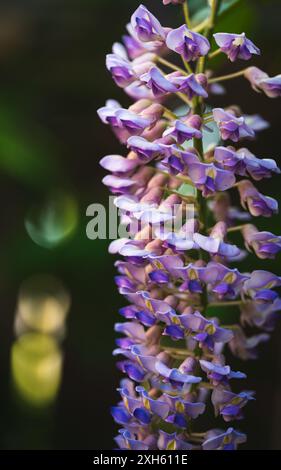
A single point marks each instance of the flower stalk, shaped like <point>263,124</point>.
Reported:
<point>177,262</point>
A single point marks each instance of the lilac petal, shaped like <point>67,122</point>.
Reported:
<point>118,164</point>
<point>189,44</point>
<point>158,83</point>
<point>146,25</point>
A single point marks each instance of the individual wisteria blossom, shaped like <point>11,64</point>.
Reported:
<point>146,26</point>
<point>188,44</point>
<point>174,82</point>
<point>260,81</point>
<point>230,126</point>
<point>219,440</point>
<point>257,203</point>
<point>264,244</point>
<point>243,162</point>
<point>182,131</point>
<point>236,46</point>
<point>174,196</point>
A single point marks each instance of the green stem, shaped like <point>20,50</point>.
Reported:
<point>210,119</point>
<point>187,66</point>
<point>231,327</point>
<point>227,77</point>
<point>215,5</point>
<point>186,14</point>
<point>214,54</point>
<point>236,229</point>
<point>201,26</point>
<point>169,114</point>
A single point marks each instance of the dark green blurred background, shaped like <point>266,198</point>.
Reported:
<point>52,80</point>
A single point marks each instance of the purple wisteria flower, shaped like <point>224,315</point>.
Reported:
<point>260,81</point>
<point>208,332</point>
<point>244,347</point>
<point>176,273</point>
<point>236,46</point>
<point>264,244</point>
<point>219,440</point>
<point>181,132</point>
<point>243,162</point>
<point>230,126</point>
<point>191,85</point>
<point>158,83</point>
<point>257,203</point>
<point>146,26</point>
<point>220,374</point>
<point>228,404</point>
<point>120,69</point>
<point>215,244</point>
<point>188,44</point>
<point>209,178</point>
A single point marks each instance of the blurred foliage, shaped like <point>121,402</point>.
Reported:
<point>36,368</point>
<point>201,9</point>
<point>28,155</point>
<point>51,223</point>
<point>43,304</point>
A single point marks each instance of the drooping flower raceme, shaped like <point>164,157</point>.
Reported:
<point>178,271</point>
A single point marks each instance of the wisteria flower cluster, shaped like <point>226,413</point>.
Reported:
<point>172,344</point>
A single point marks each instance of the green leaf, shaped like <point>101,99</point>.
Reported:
<point>27,154</point>
<point>51,223</point>
<point>226,5</point>
<point>200,16</point>
<point>203,12</point>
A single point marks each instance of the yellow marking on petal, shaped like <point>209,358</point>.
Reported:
<point>180,407</point>
<point>146,404</point>
<point>193,275</point>
<point>269,285</point>
<point>128,274</point>
<point>126,403</point>
<point>139,361</point>
<point>148,305</point>
<point>172,445</point>
<point>236,401</point>
<point>211,172</point>
<point>230,278</point>
<point>188,34</point>
<point>176,320</point>
<point>227,439</point>
<point>210,329</point>
<point>238,42</point>
<point>158,264</point>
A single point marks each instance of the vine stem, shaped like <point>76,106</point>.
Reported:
<point>236,229</point>
<point>201,26</point>
<point>186,14</point>
<point>214,54</point>
<point>169,114</point>
<point>187,66</point>
<point>215,5</point>
<point>227,77</point>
